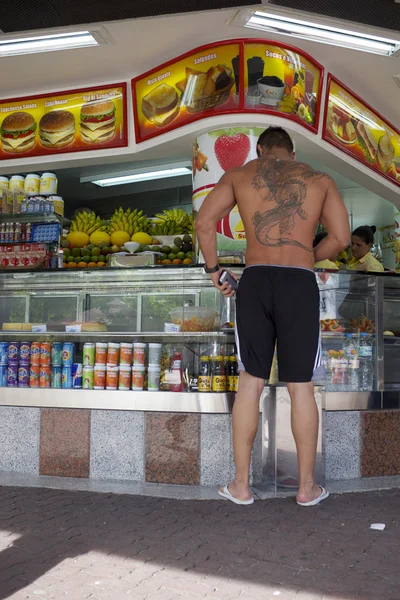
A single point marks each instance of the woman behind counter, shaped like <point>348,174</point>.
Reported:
<point>362,240</point>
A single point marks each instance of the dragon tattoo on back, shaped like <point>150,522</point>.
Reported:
<point>284,183</point>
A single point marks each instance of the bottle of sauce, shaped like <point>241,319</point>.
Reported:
<point>204,379</point>
<point>218,382</point>
<point>176,373</point>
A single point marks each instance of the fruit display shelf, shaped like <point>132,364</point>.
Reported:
<point>32,218</point>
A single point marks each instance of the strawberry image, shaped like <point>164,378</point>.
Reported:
<point>232,150</point>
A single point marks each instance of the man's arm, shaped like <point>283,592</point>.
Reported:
<point>215,207</point>
<point>335,219</point>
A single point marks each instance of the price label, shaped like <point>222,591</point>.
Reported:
<point>40,328</point>
<point>171,328</point>
<point>73,328</point>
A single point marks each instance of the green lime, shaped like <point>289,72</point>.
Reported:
<point>96,252</point>
<point>164,257</point>
<point>190,254</point>
<point>175,249</point>
<point>76,259</point>
<point>171,256</point>
<point>86,258</point>
<point>75,252</point>
<point>146,249</point>
<point>94,259</point>
<point>166,250</point>
<point>181,255</point>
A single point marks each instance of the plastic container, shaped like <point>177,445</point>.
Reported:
<point>194,318</point>
<point>101,353</point>
<point>139,353</point>
<point>125,357</point>
<point>4,182</point>
<point>32,183</point>
<point>154,354</point>
<point>137,377</point>
<point>99,377</point>
<point>125,377</point>
<point>113,354</point>
<point>154,372</point>
<point>58,203</point>
<point>112,377</point>
<point>16,182</point>
<point>48,183</point>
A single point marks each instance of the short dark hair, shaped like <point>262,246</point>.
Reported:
<point>365,233</point>
<point>275,137</point>
<point>319,237</point>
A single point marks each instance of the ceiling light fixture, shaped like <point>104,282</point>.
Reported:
<point>12,46</point>
<point>136,176</point>
<point>316,32</point>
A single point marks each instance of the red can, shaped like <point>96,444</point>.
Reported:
<point>45,353</point>
<point>45,376</point>
<point>35,353</point>
<point>34,376</point>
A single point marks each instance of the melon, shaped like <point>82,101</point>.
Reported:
<point>98,237</point>
<point>78,239</point>
<point>118,238</point>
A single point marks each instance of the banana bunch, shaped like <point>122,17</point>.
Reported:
<point>87,223</point>
<point>287,105</point>
<point>131,221</point>
<point>172,222</point>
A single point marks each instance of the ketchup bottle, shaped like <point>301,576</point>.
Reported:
<point>176,373</point>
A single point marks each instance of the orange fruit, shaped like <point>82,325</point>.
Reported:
<point>71,265</point>
<point>187,261</point>
<point>177,261</point>
<point>82,265</point>
<point>92,264</point>
<point>101,264</point>
<point>166,262</point>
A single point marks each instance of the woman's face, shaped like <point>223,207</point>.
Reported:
<point>359,248</point>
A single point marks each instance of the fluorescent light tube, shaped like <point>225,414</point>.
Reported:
<point>47,43</point>
<point>317,32</point>
<point>147,176</point>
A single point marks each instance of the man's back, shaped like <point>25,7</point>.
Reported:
<point>280,203</point>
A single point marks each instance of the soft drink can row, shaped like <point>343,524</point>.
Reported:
<point>25,353</point>
<point>57,354</point>
<point>56,376</point>
<point>45,376</point>
<point>68,352</point>
<point>12,375</point>
<point>66,377</point>
<point>3,353</point>
<point>34,376</point>
<point>23,376</point>
<point>13,352</point>
<point>45,353</point>
<point>35,353</point>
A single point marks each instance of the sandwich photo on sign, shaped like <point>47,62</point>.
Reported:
<point>161,105</point>
<point>97,121</point>
<point>18,132</point>
<point>57,129</point>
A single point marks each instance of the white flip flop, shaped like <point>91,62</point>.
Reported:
<point>225,493</point>
<point>323,496</point>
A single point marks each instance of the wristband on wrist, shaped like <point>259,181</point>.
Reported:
<point>209,270</point>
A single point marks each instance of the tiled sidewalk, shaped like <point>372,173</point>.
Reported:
<point>84,545</point>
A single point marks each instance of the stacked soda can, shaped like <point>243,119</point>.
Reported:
<point>14,364</point>
<point>56,364</point>
<point>71,376</point>
<point>45,365</point>
<point>3,363</point>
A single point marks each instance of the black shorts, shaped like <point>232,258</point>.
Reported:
<point>278,304</point>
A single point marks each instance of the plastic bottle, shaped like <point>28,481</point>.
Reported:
<point>204,379</point>
<point>351,353</point>
<point>176,373</point>
<point>365,358</point>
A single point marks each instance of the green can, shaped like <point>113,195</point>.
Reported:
<point>89,352</point>
<point>88,378</point>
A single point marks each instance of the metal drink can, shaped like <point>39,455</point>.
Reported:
<point>13,352</point>
<point>68,352</point>
<point>77,372</point>
<point>45,353</point>
<point>35,353</point>
<point>23,376</point>
<point>88,378</point>
<point>4,353</point>
<point>56,354</point>
<point>56,376</point>
<point>113,354</point>
<point>12,375</point>
<point>66,377</point>
<point>34,376</point>
<point>25,353</point>
<point>101,353</point>
<point>88,354</point>
<point>99,377</point>
<point>3,375</point>
<point>45,376</point>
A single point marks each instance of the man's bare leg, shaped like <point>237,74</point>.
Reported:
<point>304,421</point>
<point>245,424</point>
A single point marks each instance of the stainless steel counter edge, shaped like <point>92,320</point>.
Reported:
<point>118,400</point>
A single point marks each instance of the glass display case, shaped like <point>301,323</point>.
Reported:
<point>167,334</point>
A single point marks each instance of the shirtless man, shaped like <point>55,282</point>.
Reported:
<point>280,202</point>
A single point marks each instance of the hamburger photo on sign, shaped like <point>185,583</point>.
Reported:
<point>97,121</point>
<point>57,129</point>
<point>18,132</point>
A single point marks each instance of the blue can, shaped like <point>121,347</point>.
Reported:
<point>13,352</point>
<point>25,353</point>
<point>56,376</point>
<point>77,372</point>
<point>66,378</point>
<point>23,376</point>
<point>4,353</point>
<point>68,352</point>
<point>12,375</point>
<point>57,354</point>
<point>3,375</point>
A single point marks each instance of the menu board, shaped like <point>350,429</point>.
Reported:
<point>181,91</point>
<point>88,119</point>
<point>357,129</point>
<point>282,80</point>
